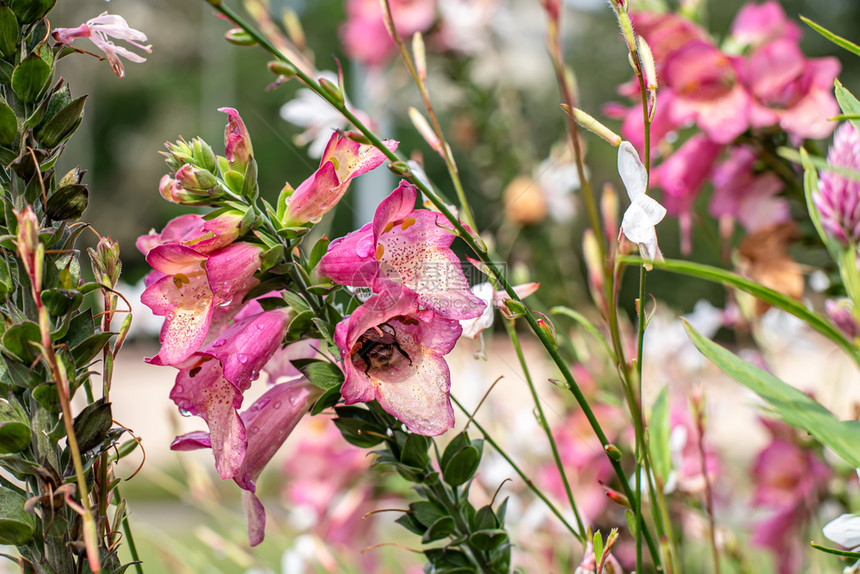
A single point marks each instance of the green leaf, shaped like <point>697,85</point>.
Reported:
<point>414,451</point>
<point>838,40</point>
<point>810,188</point>
<point>426,512</point>
<point>847,102</point>
<point>14,428</point>
<point>658,435</point>
<point>323,374</point>
<point>6,71</point>
<point>30,77</point>
<point>836,551</point>
<point>86,350</point>
<point>408,522</point>
<point>17,526</point>
<point>597,546</point>
<point>62,124</point>
<point>46,395</point>
<point>319,249</point>
<point>28,11</point>
<point>328,399</point>
<point>356,424</point>
<point>8,31</point>
<point>462,465</point>
<point>587,325</point>
<point>8,122</point>
<point>68,203</point>
<point>488,539</point>
<point>787,304</point>
<point>19,340</point>
<point>92,425</point>
<point>296,301</point>
<point>485,519</point>
<point>440,529</point>
<point>457,443</point>
<point>795,407</point>
<point>61,301</point>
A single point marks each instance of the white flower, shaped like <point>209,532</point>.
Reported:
<point>644,212</point>
<point>318,117</point>
<point>844,530</point>
<point>484,291</point>
<point>99,30</point>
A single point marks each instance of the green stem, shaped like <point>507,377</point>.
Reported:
<point>512,333</point>
<point>519,471</point>
<point>132,547</point>
<point>470,240</point>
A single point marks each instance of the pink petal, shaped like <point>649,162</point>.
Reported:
<point>187,308</point>
<point>173,258</point>
<point>256,516</point>
<point>191,441</point>
<point>396,207</point>
<point>316,195</point>
<point>229,269</point>
<point>349,260</point>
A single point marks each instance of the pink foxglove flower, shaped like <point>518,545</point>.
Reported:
<point>792,91</point>
<point>212,381</point>
<point>644,212</point>
<point>741,194</point>
<point>758,24</point>
<point>187,286</point>
<point>404,247</point>
<point>192,230</point>
<point>267,423</point>
<point>392,353</point>
<point>342,160</point>
<point>365,36</point>
<point>99,30</point>
<point>838,197</point>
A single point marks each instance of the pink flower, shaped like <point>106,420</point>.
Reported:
<point>186,287</point>
<point>757,24</point>
<point>789,480</point>
<point>666,33</point>
<point>706,86</point>
<point>342,160</point>
<point>404,247</point>
<point>99,30</point>
<point>838,197</point>
<point>237,141</point>
<point>741,194</point>
<point>686,474</point>
<point>364,35</point>
<point>212,381</point>
<point>192,230</point>
<point>589,563</point>
<point>267,423</point>
<point>841,313</point>
<point>667,119</point>
<point>681,178</point>
<point>790,90</point>
<point>392,353</point>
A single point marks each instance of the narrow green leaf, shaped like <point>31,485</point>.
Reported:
<point>848,103</point>
<point>795,407</point>
<point>836,551</point>
<point>787,304</point>
<point>587,325</point>
<point>658,435</point>
<point>8,123</point>
<point>8,31</point>
<point>838,40</point>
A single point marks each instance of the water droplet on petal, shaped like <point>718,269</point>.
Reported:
<point>260,326</point>
<point>242,358</point>
<point>255,429</point>
<point>185,413</point>
<point>276,405</point>
<point>254,374</point>
<point>219,343</point>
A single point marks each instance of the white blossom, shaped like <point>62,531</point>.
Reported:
<point>644,212</point>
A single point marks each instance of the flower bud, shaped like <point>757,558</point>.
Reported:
<point>592,125</point>
<point>646,59</point>
<point>841,313</point>
<point>196,179</point>
<point>548,328</point>
<point>175,193</point>
<point>613,451</point>
<point>618,498</point>
<point>203,155</point>
<point>237,141</point>
<point>239,37</point>
<point>105,261</point>
<point>29,248</point>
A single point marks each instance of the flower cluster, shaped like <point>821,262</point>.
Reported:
<point>392,345</point>
<point>756,81</point>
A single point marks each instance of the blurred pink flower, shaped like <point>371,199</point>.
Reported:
<point>758,24</point>
<point>838,196</point>
<point>342,160</point>
<point>789,480</point>
<point>187,286</point>
<point>192,230</point>
<point>706,86</point>
<point>790,90</point>
<point>404,249</point>
<point>589,563</point>
<point>99,30</point>
<point>364,35</point>
<point>686,455</point>
<point>681,177</point>
<point>392,353</point>
<point>841,313</point>
<point>743,195</point>
<point>212,381</point>
<point>666,33</point>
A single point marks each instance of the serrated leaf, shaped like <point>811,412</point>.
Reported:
<point>30,77</point>
<point>795,407</point>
